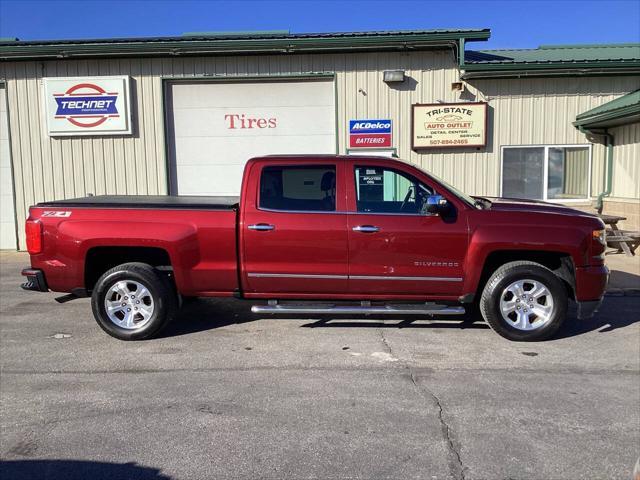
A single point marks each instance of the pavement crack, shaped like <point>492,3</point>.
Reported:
<point>455,461</point>
<point>385,342</point>
<point>456,465</point>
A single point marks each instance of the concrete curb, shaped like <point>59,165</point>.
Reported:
<point>623,292</point>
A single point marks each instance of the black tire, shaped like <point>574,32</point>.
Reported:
<point>162,293</point>
<point>505,276</point>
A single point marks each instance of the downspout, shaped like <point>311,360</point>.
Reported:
<point>461,48</point>
<point>609,164</point>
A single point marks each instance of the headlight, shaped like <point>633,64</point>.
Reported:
<point>600,236</point>
<point>598,244</point>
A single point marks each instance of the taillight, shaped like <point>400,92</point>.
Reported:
<point>34,237</point>
<point>598,244</point>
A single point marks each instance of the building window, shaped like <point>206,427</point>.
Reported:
<point>550,172</point>
<point>299,188</point>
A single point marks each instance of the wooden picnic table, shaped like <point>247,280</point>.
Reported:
<point>623,240</point>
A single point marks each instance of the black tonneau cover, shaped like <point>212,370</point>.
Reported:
<point>147,201</point>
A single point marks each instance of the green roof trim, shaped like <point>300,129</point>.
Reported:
<point>622,110</point>
<point>241,43</point>
<point>585,58</point>
<point>247,33</point>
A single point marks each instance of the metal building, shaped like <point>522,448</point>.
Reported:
<point>562,123</point>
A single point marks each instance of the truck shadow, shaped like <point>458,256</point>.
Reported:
<point>208,314</point>
<point>614,313</point>
<point>76,470</point>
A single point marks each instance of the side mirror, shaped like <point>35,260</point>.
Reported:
<point>436,204</point>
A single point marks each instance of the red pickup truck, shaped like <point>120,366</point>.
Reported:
<point>315,234</point>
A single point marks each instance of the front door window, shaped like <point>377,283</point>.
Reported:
<point>383,190</point>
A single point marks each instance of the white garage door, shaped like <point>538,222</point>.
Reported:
<point>7,209</point>
<point>214,128</point>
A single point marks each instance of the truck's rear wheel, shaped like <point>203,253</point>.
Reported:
<point>133,301</point>
<point>524,301</point>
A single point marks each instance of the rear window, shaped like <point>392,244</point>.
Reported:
<point>309,188</point>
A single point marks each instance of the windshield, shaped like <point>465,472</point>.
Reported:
<point>461,195</point>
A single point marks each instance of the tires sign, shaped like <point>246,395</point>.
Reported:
<point>80,106</point>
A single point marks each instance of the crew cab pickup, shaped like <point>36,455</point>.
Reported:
<point>322,234</point>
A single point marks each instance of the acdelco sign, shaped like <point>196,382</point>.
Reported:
<point>87,106</point>
<point>369,133</point>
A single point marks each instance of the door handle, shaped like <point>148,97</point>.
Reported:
<point>366,229</point>
<point>261,227</point>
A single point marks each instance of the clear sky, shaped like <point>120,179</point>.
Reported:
<point>513,23</point>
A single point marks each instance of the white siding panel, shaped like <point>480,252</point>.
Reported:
<point>8,238</point>
<point>214,128</point>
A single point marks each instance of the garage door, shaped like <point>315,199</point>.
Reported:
<point>215,127</point>
<point>7,209</point>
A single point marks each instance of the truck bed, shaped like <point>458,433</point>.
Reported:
<point>147,201</point>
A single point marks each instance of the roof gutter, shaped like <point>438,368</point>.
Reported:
<point>190,46</point>
<point>549,72</point>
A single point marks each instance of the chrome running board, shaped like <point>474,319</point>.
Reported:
<point>422,309</point>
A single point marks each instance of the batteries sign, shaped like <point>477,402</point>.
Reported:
<point>369,133</point>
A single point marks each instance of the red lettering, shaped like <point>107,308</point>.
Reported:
<point>231,118</point>
<point>235,121</point>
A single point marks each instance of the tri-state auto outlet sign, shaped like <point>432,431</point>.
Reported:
<point>78,106</point>
<point>449,125</point>
<point>369,133</point>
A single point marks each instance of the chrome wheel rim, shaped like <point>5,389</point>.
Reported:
<point>129,304</point>
<point>526,304</point>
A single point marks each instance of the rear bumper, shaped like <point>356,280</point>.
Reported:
<point>35,280</point>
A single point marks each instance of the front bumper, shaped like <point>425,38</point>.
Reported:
<point>35,280</point>
<point>591,283</point>
<point>588,309</point>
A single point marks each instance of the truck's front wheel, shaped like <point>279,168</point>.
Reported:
<point>524,301</point>
<point>133,301</point>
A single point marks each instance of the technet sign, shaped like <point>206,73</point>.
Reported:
<point>369,133</point>
<point>87,106</point>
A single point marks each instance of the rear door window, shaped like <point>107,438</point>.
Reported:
<point>305,188</point>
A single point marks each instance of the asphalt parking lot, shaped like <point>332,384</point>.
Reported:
<point>225,394</point>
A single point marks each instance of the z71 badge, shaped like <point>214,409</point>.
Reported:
<point>56,213</point>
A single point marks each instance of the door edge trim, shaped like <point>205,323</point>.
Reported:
<point>353,277</point>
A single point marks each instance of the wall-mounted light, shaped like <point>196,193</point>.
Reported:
<point>393,76</point>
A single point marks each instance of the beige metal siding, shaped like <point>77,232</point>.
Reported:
<point>522,112</point>
<point>626,161</point>
<point>49,168</point>
<point>541,111</point>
